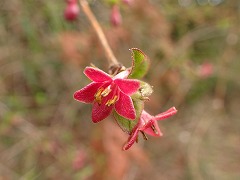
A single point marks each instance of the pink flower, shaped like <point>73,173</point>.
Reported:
<point>128,2</point>
<point>205,70</point>
<point>116,18</point>
<point>72,10</point>
<point>79,160</point>
<point>108,93</point>
<point>148,124</point>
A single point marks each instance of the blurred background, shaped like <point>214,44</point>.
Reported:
<point>193,46</point>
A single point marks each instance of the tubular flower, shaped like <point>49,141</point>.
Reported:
<point>148,124</point>
<point>108,93</point>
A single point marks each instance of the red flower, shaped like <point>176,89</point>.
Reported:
<point>108,93</point>
<point>72,10</point>
<point>148,124</point>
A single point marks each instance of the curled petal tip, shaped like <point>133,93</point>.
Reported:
<point>127,146</point>
<point>124,148</point>
<point>174,110</point>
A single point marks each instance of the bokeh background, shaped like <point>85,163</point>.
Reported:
<point>193,46</point>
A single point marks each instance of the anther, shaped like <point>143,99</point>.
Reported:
<point>98,96</point>
<point>106,91</point>
<point>154,129</point>
<point>144,135</point>
<point>111,101</point>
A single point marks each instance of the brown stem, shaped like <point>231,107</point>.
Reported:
<point>108,51</point>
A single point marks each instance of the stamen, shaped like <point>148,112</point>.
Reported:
<point>137,139</point>
<point>144,135</point>
<point>106,91</point>
<point>154,129</point>
<point>112,101</point>
<point>98,96</point>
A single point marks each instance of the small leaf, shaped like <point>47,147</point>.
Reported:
<point>140,63</point>
<point>126,124</point>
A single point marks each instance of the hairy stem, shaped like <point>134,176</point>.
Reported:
<point>108,51</point>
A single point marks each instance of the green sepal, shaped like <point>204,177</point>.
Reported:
<point>144,91</point>
<point>140,64</point>
<point>126,124</point>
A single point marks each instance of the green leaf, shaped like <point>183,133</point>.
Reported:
<point>140,63</point>
<point>126,124</point>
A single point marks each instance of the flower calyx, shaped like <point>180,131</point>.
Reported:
<point>147,124</point>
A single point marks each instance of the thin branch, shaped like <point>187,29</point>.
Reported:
<point>108,51</point>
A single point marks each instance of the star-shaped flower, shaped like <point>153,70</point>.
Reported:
<point>108,93</point>
<point>148,124</point>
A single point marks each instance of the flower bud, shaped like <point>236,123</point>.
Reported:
<point>116,18</point>
<point>72,10</point>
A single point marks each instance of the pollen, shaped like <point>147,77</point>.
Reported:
<point>106,91</point>
<point>111,101</point>
<point>98,96</point>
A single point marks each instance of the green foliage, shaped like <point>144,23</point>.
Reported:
<point>200,88</point>
<point>112,2</point>
<point>140,64</point>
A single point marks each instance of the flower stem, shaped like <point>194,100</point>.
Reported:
<point>96,26</point>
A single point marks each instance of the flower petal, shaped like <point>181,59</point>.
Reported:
<point>128,86</point>
<point>123,74</point>
<point>124,106</point>
<point>96,74</point>
<point>131,140</point>
<point>145,118</point>
<point>100,112</point>
<point>170,112</point>
<point>87,93</point>
<point>157,132</point>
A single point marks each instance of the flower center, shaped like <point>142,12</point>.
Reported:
<point>112,101</point>
<point>106,91</point>
<point>98,96</point>
<point>103,92</point>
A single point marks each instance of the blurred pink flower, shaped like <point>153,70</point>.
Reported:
<point>79,160</point>
<point>128,2</point>
<point>205,70</point>
<point>116,18</point>
<point>72,10</point>
<point>108,93</point>
<point>148,124</point>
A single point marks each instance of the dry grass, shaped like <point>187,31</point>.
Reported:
<point>45,134</point>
